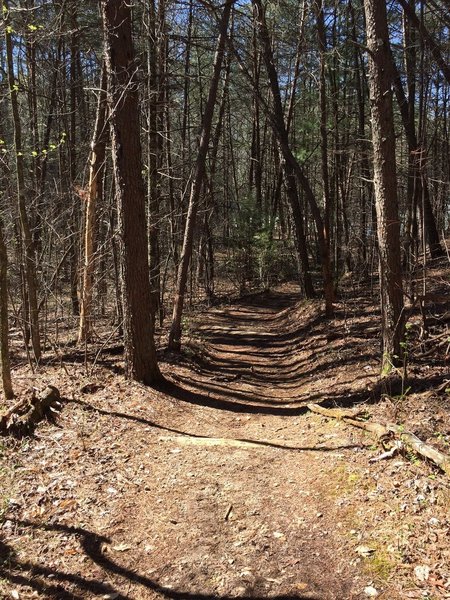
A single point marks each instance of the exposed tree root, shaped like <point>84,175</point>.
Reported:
<point>22,418</point>
<point>387,431</point>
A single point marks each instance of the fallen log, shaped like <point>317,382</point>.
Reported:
<point>384,431</point>
<point>22,418</point>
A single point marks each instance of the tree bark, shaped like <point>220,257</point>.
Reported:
<point>4,328</point>
<point>140,354</point>
<point>29,250</point>
<point>327,197</point>
<point>385,182</point>
<point>74,225</point>
<point>366,187</point>
<point>92,197</point>
<point>156,46</point>
<point>416,164</point>
<point>290,181</point>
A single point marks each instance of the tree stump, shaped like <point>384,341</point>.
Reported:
<point>22,418</point>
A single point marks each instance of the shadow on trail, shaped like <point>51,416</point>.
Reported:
<point>263,443</point>
<point>263,358</point>
<point>202,399</point>
<point>326,399</point>
<point>205,399</point>
<point>42,579</point>
<point>271,373</point>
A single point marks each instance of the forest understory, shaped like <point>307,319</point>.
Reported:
<point>222,484</point>
<point>155,158</point>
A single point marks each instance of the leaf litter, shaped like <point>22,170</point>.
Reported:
<point>137,493</point>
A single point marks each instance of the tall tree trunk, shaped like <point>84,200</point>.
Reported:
<point>140,353</point>
<point>210,204</point>
<point>75,214</point>
<point>327,198</point>
<point>291,184</point>
<point>256,152</point>
<point>30,45</point>
<point>385,182</point>
<point>155,65</point>
<point>93,196</point>
<point>198,179</point>
<point>416,159</point>
<point>299,228</point>
<point>4,329</point>
<point>366,187</point>
<point>29,251</point>
<point>185,130</point>
<point>173,217</point>
<point>50,117</point>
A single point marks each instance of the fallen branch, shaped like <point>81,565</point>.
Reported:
<point>390,453</point>
<point>22,418</point>
<point>389,430</point>
<point>437,346</point>
<point>350,418</point>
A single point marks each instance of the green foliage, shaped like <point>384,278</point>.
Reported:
<point>381,564</point>
<point>259,259</point>
<point>265,255</point>
<point>301,155</point>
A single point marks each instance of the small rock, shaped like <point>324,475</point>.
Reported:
<point>370,591</point>
<point>122,547</point>
<point>422,572</point>
<point>278,534</point>
<point>364,551</point>
<point>433,522</point>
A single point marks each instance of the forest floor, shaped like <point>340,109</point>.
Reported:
<point>223,485</point>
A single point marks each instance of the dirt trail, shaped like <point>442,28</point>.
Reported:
<point>218,487</point>
<point>240,510</point>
